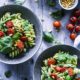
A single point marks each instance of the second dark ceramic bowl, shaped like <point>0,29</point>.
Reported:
<point>49,53</point>
<point>26,14</point>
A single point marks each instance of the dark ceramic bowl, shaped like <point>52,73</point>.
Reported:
<point>49,53</point>
<point>26,14</point>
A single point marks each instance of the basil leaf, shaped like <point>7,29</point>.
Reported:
<point>58,14</point>
<point>47,36</point>
<point>51,3</point>
<point>6,44</point>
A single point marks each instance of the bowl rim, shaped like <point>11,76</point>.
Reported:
<point>71,8</point>
<point>46,50</point>
<point>24,60</point>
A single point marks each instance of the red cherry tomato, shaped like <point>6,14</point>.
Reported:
<point>70,27</point>
<point>73,19</point>
<point>79,19</point>
<point>9,24</point>
<point>57,24</point>
<point>73,36</point>
<point>60,69</point>
<point>10,31</point>
<point>70,71</point>
<point>78,79</point>
<point>1,33</point>
<point>63,69</point>
<point>23,38</point>
<point>20,44</point>
<point>53,75</point>
<point>51,61</point>
<point>77,13</point>
<point>77,29</point>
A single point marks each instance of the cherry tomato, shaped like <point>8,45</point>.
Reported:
<point>70,71</point>
<point>23,38</point>
<point>53,75</point>
<point>63,69</point>
<point>73,36</point>
<point>51,61</point>
<point>20,44</point>
<point>57,24</point>
<point>10,31</point>
<point>73,19</point>
<point>79,19</point>
<point>1,33</point>
<point>70,27</point>
<point>60,69</point>
<point>77,13</point>
<point>78,79</point>
<point>9,24</point>
<point>77,29</point>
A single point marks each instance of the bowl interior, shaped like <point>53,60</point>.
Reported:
<point>49,53</point>
<point>26,14</point>
<point>73,6</point>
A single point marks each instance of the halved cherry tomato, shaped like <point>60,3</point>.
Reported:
<point>10,31</point>
<point>9,24</point>
<point>53,75</point>
<point>60,69</point>
<point>51,61</point>
<point>1,33</point>
<point>23,38</point>
<point>20,44</point>
<point>70,71</point>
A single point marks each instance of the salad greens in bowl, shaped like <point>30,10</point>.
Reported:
<point>20,34</point>
<point>59,62</point>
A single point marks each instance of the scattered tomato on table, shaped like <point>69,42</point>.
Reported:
<point>73,19</point>
<point>70,27</point>
<point>73,36</point>
<point>57,24</point>
<point>74,24</point>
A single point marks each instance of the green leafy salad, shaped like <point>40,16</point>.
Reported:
<point>17,35</point>
<point>62,66</point>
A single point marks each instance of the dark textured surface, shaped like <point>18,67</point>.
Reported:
<point>49,53</point>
